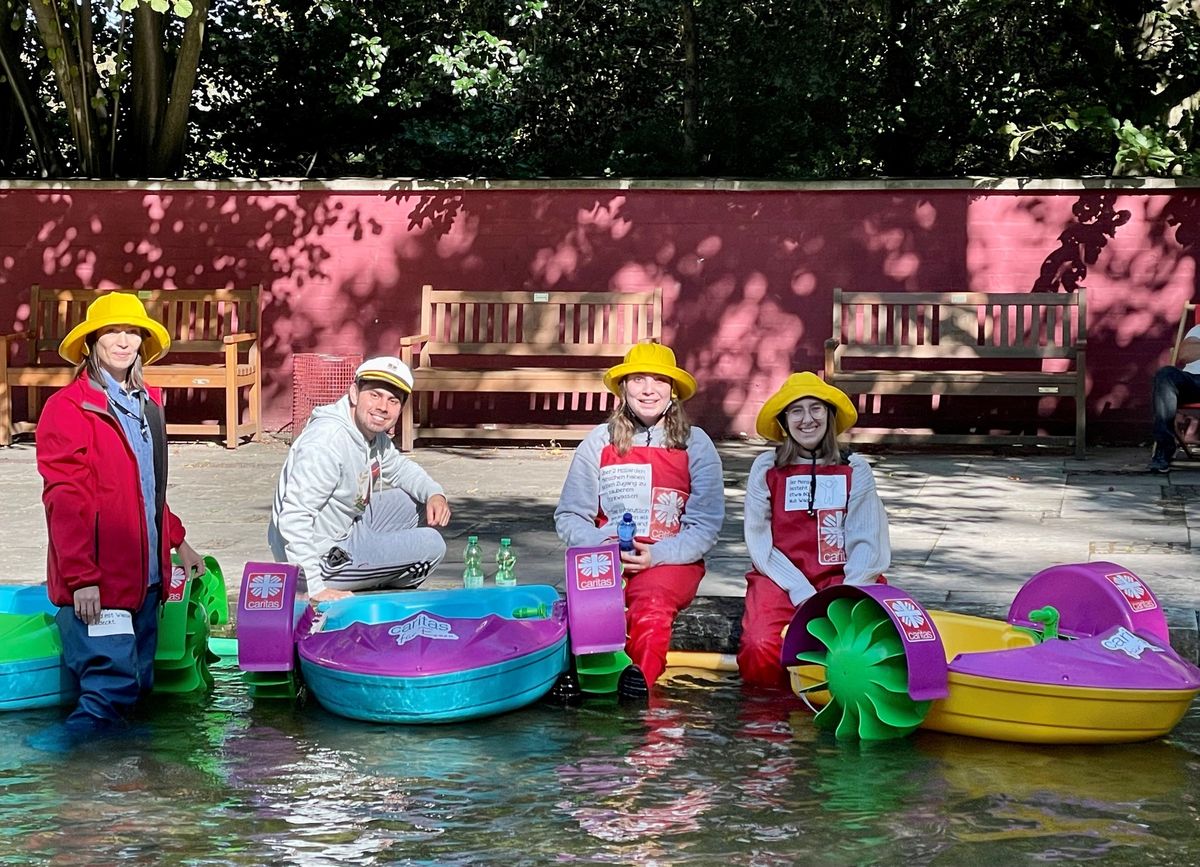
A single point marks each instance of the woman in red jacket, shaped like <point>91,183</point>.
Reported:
<point>101,451</point>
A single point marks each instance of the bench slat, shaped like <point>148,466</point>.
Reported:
<point>197,321</point>
<point>952,333</point>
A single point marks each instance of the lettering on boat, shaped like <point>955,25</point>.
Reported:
<point>914,622</point>
<point>595,571</point>
<point>422,626</point>
<point>1126,642</point>
<point>264,590</point>
<point>1136,594</point>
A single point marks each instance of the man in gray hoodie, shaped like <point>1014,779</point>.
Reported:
<point>345,508</point>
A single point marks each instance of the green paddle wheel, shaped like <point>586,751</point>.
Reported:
<point>866,673</point>
<point>183,656</point>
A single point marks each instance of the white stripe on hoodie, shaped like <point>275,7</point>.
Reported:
<point>322,482</point>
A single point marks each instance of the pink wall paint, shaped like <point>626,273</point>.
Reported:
<point>747,274</point>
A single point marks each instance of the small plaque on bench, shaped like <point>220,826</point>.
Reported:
<point>541,297</point>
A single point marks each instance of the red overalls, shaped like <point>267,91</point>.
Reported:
<point>815,543</point>
<point>654,484</point>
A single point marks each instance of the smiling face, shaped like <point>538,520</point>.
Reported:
<point>116,348</point>
<point>374,407</point>
<point>647,395</point>
<point>807,420</point>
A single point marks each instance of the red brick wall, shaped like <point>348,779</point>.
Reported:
<point>747,269</point>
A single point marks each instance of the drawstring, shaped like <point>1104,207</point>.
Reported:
<point>812,484</point>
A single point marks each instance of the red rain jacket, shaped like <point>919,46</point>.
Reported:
<point>95,513</point>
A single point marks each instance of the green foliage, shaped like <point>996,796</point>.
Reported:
<point>752,88</point>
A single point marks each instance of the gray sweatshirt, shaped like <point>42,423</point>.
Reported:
<point>868,549</point>
<point>700,522</point>
<point>325,483</point>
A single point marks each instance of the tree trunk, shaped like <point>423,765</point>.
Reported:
<point>64,54</point>
<point>691,86</point>
<point>21,111</point>
<point>169,149</point>
<point>149,84</point>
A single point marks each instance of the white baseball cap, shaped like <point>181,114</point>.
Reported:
<point>386,368</point>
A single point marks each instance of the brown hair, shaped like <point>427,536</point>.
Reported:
<point>829,453</point>
<point>676,427</point>
<point>133,376</point>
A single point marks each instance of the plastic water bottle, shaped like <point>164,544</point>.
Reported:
<point>626,530</point>
<point>506,562</point>
<point>472,564</point>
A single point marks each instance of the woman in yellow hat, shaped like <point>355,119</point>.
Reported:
<point>650,462</point>
<point>813,518</point>
<point>101,451</point>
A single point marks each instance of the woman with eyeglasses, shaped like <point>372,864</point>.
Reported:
<point>813,518</point>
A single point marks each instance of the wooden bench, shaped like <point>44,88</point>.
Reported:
<point>214,345</point>
<point>553,344</point>
<point>961,344</point>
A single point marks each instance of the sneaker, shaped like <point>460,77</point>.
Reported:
<point>1159,464</point>
<point>632,686</point>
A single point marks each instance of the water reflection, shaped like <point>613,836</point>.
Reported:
<point>706,776</point>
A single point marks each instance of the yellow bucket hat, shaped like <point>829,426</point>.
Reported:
<point>651,358</point>
<point>116,308</point>
<point>800,385</point>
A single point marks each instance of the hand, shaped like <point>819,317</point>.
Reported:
<point>193,564</point>
<point>638,559</point>
<point>87,604</point>
<point>328,595</point>
<point>437,511</point>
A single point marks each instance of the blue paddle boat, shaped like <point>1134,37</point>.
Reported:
<point>407,656</point>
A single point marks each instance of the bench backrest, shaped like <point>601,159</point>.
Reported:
<point>601,325</point>
<point>967,325</point>
<point>196,319</point>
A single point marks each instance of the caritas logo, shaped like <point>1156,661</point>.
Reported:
<point>264,591</point>
<point>595,571</point>
<point>913,621</point>
<point>177,585</point>
<point>1136,595</point>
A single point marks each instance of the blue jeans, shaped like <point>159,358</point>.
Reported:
<point>113,671</point>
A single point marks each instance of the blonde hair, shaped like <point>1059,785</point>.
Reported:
<point>676,426</point>
<point>133,376</point>
<point>829,453</point>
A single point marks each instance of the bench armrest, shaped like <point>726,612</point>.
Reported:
<point>238,338</point>
<point>414,339</point>
<point>16,336</point>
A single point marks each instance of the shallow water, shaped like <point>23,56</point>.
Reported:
<point>704,777</point>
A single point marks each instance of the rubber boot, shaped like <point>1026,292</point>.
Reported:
<point>632,686</point>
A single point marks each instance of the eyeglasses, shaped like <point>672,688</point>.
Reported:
<point>816,411</point>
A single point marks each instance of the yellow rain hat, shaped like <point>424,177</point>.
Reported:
<point>800,385</point>
<point>116,308</point>
<point>651,358</point>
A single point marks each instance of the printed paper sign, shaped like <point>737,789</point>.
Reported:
<point>831,492</point>
<point>626,488</point>
<point>595,570</point>
<point>1133,591</point>
<point>831,536</point>
<point>177,585</point>
<point>913,621</point>
<point>264,591</point>
<point>112,622</point>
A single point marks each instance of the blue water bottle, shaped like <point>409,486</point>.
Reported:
<point>626,530</point>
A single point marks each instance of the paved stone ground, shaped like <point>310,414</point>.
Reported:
<point>967,529</point>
